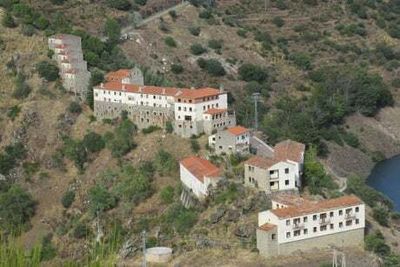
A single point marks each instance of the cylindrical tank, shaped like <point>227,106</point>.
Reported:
<point>158,254</point>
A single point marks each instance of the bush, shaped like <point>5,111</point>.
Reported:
<point>215,44</point>
<point>169,41</point>
<point>301,60</point>
<point>68,198</point>
<point>100,199</point>
<point>169,127</point>
<point>10,157</point>
<point>48,251</point>
<point>74,107</point>
<point>93,142</point>
<point>120,142</point>
<point>81,231</point>
<point>242,33</point>
<point>165,163</point>
<point>396,82</point>
<point>206,14</point>
<point>13,112</point>
<point>194,30</point>
<point>173,14</point>
<point>278,21</point>
<point>75,151</point>
<point>197,49</point>
<point>22,89</point>
<point>167,194</point>
<point>195,145</point>
<point>376,243</point>
<point>17,206</point>
<point>112,30</point>
<point>212,66</point>
<point>150,129</point>
<point>351,139</point>
<point>177,68</point>
<point>8,21</point>
<point>120,4</point>
<point>180,218</point>
<point>249,72</point>
<point>381,215</point>
<point>47,71</point>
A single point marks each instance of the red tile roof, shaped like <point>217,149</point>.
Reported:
<point>260,162</point>
<point>237,130</point>
<point>200,168</point>
<point>267,227</point>
<point>289,199</point>
<point>198,93</point>
<point>289,150</point>
<point>213,111</point>
<point>117,75</point>
<point>317,206</point>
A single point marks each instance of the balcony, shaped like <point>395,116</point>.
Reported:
<point>324,221</point>
<point>274,175</point>
<point>298,226</point>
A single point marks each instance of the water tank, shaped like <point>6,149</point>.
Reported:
<point>158,254</point>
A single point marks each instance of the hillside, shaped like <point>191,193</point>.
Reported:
<point>288,44</point>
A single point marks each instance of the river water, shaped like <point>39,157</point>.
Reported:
<point>385,177</point>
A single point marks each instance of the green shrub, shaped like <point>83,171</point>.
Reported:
<point>396,82</point>
<point>47,70</point>
<point>68,198</point>
<point>112,30</point>
<point>242,33</point>
<point>100,199</point>
<point>177,68</point>
<point>195,145</point>
<point>351,139</point>
<point>212,66</point>
<point>22,89</point>
<point>74,107</point>
<point>249,72</point>
<point>48,251</point>
<point>141,2</point>
<point>381,215</point>
<point>17,206</point>
<point>167,194</point>
<point>75,151</point>
<point>169,41</point>
<point>173,14</point>
<point>93,142</point>
<point>8,21</point>
<point>278,21</point>
<point>28,30</point>
<point>376,243</point>
<point>301,60</point>
<point>215,44</point>
<point>197,49</point>
<point>120,4</point>
<point>165,163</point>
<point>13,112</point>
<point>11,156</point>
<point>206,14</point>
<point>169,127</point>
<point>195,30</point>
<point>180,218</point>
<point>150,129</point>
<point>121,142</point>
<point>81,231</point>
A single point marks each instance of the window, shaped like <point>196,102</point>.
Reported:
<point>348,211</point>
<point>331,214</point>
<point>314,217</point>
<point>287,222</point>
<point>190,109</point>
<point>340,212</point>
<point>357,221</point>
<point>296,221</point>
<point>357,209</point>
<point>286,182</point>
<point>287,234</point>
<point>349,223</point>
<point>331,226</point>
<point>273,236</point>
<point>322,228</point>
<point>315,229</point>
<point>304,219</point>
<point>296,233</point>
<point>305,231</point>
<point>287,170</point>
<point>340,225</point>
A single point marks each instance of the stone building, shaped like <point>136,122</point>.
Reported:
<point>304,225</point>
<point>190,111</point>
<point>231,140</point>
<point>280,172</point>
<point>73,68</point>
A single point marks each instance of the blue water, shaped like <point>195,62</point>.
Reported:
<point>385,177</point>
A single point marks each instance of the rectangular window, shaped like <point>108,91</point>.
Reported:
<point>357,221</point>
<point>287,170</point>
<point>287,234</point>
<point>315,229</point>
<point>314,217</point>
<point>305,231</point>
<point>179,108</point>
<point>286,182</point>
<point>322,228</point>
<point>348,211</point>
<point>296,233</point>
<point>331,214</point>
<point>304,219</point>
<point>273,236</point>
<point>331,226</point>
<point>340,212</point>
<point>340,225</point>
<point>357,209</point>
<point>349,223</point>
<point>287,222</point>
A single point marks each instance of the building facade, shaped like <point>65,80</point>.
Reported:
<point>336,222</point>
<point>73,68</point>
<point>198,175</point>
<point>231,140</point>
<point>188,110</point>
<point>281,172</point>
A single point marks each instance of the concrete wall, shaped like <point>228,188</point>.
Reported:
<point>191,182</point>
<point>268,247</point>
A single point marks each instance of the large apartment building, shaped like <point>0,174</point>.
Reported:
<point>73,68</point>
<point>190,111</point>
<point>300,224</point>
<point>280,172</point>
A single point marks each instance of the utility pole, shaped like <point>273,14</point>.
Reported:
<point>256,98</point>
<point>144,248</point>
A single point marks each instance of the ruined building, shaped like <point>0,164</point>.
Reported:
<point>73,69</point>
<point>189,111</point>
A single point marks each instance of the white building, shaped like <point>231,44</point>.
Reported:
<point>231,140</point>
<point>309,224</point>
<point>190,111</point>
<point>198,175</point>
<point>281,172</point>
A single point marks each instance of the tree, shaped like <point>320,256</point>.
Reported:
<point>197,49</point>
<point>74,107</point>
<point>167,194</point>
<point>119,4</point>
<point>112,30</point>
<point>169,41</point>
<point>68,198</point>
<point>177,68</point>
<point>93,142</point>
<point>22,89</point>
<point>75,151</point>
<point>100,199</point>
<point>47,71</point>
<point>165,163</point>
<point>121,142</point>
<point>212,66</point>
<point>381,215</point>
<point>250,72</point>
<point>278,21</point>
<point>16,207</point>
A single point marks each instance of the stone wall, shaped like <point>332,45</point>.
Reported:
<point>268,247</point>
